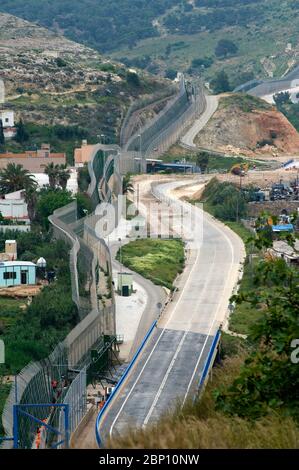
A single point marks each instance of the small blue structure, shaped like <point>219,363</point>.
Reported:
<point>283,228</point>
<point>17,273</point>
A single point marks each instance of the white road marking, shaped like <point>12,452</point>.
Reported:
<point>152,351</point>
<point>180,344</point>
<point>195,310</point>
<point>219,305</point>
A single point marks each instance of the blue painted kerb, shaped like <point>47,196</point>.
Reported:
<point>98,437</point>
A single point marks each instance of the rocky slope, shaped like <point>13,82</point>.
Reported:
<point>51,80</point>
<point>247,125</point>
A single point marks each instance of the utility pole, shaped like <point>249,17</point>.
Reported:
<point>138,199</point>
<point>120,255</point>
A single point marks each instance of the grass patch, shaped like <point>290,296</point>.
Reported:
<point>158,260</point>
<point>10,312</point>
<point>4,392</point>
<point>244,102</point>
<point>245,315</point>
<point>240,230</point>
<point>217,163</point>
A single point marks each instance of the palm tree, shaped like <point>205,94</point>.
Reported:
<point>15,177</point>
<point>31,201</point>
<point>52,171</point>
<point>63,176</point>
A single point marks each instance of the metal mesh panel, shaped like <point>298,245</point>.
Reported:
<point>138,105</point>
<point>76,399</point>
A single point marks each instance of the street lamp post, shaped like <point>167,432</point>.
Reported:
<point>140,153</point>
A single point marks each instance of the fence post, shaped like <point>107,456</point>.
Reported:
<point>66,426</point>
<point>15,427</point>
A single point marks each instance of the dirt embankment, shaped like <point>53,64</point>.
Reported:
<point>248,125</point>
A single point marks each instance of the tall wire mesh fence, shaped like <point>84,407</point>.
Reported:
<point>34,383</point>
<point>139,105</point>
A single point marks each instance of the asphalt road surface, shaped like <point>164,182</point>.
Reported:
<point>170,366</point>
<point>199,124</point>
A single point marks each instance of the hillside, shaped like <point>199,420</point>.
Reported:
<point>104,25</point>
<point>51,80</point>
<point>248,125</point>
<point>167,35</point>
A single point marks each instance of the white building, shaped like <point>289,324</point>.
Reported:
<point>14,207</point>
<point>8,123</point>
<point>8,118</point>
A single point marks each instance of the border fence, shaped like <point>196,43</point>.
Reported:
<point>69,363</point>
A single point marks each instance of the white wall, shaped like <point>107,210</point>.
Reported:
<point>13,208</point>
<point>7,118</point>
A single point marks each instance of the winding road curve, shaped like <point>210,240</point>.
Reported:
<point>199,124</point>
<point>171,364</point>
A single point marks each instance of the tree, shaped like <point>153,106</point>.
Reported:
<point>52,171</point>
<point>14,177</point>
<point>171,74</point>
<point>22,135</point>
<point>221,83</point>
<point>204,62</point>
<point>225,47</point>
<point>49,200</point>
<point>63,176</point>
<point>268,380</point>
<point>83,178</point>
<point>282,98</point>
<point>31,201</point>
<point>202,160</point>
<point>84,204</point>
<point>133,79</point>
<point>2,138</point>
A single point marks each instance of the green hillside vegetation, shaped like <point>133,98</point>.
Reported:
<point>4,391</point>
<point>32,332</point>
<point>245,38</point>
<point>259,30</point>
<point>246,103</point>
<point>158,260</point>
<point>291,111</point>
<point>104,25</point>
<point>81,115</point>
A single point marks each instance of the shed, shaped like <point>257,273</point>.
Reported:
<point>17,273</point>
<point>125,284</point>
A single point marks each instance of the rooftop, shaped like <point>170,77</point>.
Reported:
<point>7,264</point>
<point>31,154</point>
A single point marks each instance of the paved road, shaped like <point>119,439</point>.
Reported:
<point>155,294</point>
<point>172,362</point>
<point>199,124</point>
